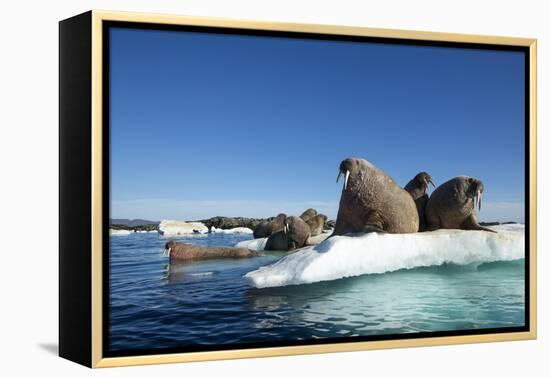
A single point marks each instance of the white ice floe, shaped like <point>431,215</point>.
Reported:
<point>348,256</point>
<point>254,244</point>
<point>313,240</point>
<point>236,230</point>
<point>173,228</point>
<point>120,232</point>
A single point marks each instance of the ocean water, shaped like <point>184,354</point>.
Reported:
<point>157,305</point>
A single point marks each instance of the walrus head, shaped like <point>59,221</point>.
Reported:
<point>168,247</point>
<point>350,167</point>
<point>297,231</point>
<point>308,214</point>
<point>280,217</point>
<point>423,179</point>
<point>475,191</point>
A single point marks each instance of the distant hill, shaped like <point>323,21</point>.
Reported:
<point>133,222</point>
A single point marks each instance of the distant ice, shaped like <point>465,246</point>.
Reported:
<point>348,256</point>
<point>119,232</point>
<point>174,228</point>
<point>236,230</point>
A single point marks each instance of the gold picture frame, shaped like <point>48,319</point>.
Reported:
<point>91,24</point>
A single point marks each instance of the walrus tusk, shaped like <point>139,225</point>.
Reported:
<point>479,195</point>
<point>431,182</point>
<point>285,229</point>
<point>346,179</point>
<point>166,252</point>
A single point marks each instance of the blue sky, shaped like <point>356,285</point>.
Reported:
<point>205,124</point>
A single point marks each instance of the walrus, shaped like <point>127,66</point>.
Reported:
<point>293,236</point>
<point>371,201</point>
<point>453,205</point>
<point>418,189</point>
<point>308,214</point>
<point>266,228</point>
<point>277,241</point>
<point>317,224</point>
<point>188,252</point>
<point>298,232</point>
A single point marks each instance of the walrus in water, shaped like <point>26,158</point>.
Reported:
<point>317,224</point>
<point>308,214</point>
<point>371,201</point>
<point>293,236</point>
<point>188,252</point>
<point>453,205</point>
<point>266,228</point>
<point>418,189</point>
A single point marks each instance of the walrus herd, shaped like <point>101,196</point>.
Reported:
<point>283,233</point>
<point>294,231</point>
<point>371,201</point>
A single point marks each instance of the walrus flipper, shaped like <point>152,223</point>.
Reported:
<point>471,224</point>
<point>481,228</point>
<point>373,228</point>
<point>433,222</point>
<point>432,226</point>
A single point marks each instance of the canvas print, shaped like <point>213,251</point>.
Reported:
<point>269,190</point>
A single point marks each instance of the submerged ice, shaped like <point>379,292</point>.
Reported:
<point>253,244</point>
<point>348,256</point>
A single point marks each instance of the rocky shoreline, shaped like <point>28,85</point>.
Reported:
<point>144,227</point>
<point>224,223</point>
<point>227,223</point>
<point>495,223</point>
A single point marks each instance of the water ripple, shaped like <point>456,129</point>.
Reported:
<point>157,305</point>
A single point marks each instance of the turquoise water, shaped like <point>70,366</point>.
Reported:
<point>157,305</point>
